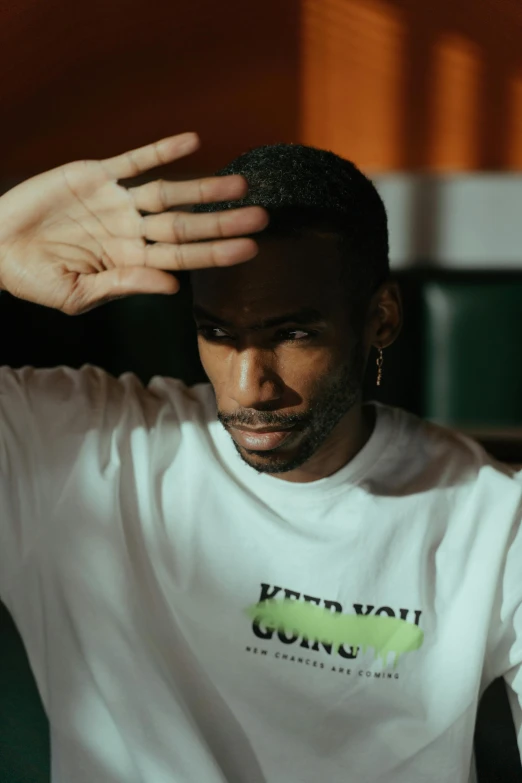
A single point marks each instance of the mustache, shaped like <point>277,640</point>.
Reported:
<point>261,419</point>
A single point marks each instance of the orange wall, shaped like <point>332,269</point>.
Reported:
<point>393,84</point>
<point>414,84</point>
<point>93,77</point>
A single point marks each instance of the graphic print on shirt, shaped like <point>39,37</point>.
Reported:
<point>286,617</point>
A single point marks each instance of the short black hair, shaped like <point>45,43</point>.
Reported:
<point>304,188</point>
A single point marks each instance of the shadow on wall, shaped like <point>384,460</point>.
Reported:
<point>92,79</point>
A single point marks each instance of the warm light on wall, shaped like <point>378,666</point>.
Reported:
<point>351,79</point>
<point>409,85</point>
<point>515,124</point>
<point>454,111</point>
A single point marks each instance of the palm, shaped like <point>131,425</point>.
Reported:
<point>78,222</point>
<point>73,237</point>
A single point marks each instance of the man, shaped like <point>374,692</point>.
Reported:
<point>262,579</point>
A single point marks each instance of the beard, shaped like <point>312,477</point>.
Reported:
<point>333,397</point>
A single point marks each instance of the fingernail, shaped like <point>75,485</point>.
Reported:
<point>190,141</point>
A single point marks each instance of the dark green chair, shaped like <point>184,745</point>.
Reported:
<point>24,730</point>
<point>473,351</point>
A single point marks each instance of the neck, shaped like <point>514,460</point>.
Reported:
<point>343,444</point>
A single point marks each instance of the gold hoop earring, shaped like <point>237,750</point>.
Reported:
<point>379,363</point>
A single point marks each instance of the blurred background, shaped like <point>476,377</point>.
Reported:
<point>424,95</point>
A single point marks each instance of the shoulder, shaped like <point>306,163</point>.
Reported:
<point>431,455</point>
<point>192,403</point>
<point>91,392</point>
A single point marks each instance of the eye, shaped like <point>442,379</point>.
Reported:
<point>294,335</point>
<point>213,333</point>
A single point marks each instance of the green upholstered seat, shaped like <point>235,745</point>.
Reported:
<point>24,730</point>
<point>472,351</point>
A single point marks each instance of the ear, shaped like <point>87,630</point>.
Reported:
<point>384,320</point>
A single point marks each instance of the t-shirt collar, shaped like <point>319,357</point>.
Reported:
<point>264,484</point>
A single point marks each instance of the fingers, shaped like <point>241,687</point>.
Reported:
<point>200,255</point>
<point>161,195</point>
<point>132,163</point>
<point>151,278</point>
<point>180,227</point>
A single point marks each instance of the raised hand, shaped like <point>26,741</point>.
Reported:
<point>73,238</point>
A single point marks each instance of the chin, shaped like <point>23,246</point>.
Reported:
<point>270,461</point>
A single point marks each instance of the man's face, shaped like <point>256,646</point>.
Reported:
<point>275,341</point>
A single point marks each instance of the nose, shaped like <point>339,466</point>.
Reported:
<point>253,380</point>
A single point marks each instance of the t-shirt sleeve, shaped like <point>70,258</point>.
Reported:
<point>504,658</point>
<point>47,417</point>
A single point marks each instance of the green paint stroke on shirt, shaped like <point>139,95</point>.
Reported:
<point>382,633</point>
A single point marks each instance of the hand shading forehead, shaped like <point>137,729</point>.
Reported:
<point>287,276</point>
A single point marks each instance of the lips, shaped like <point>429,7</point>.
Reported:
<point>260,440</point>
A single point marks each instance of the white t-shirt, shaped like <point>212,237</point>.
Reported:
<point>170,597</point>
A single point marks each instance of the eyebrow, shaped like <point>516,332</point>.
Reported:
<point>305,316</point>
